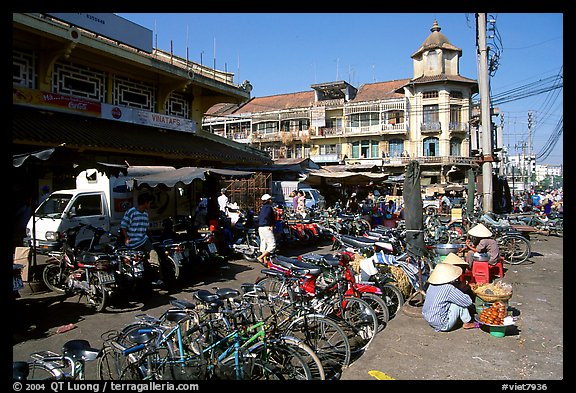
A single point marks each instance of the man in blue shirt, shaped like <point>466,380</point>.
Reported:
<point>266,221</point>
<point>134,227</point>
<point>445,304</point>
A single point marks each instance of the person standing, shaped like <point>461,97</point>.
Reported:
<point>294,195</point>
<point>266,221</point>
<point>134,227</point>
<point>301,203</point>
<point>223,201</point>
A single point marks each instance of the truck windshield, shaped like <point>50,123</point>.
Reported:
<point>53,205</point>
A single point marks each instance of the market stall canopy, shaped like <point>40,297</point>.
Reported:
<point>184,176</point>
<point>344,177</point>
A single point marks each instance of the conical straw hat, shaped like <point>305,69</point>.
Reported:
<point>480,230</point>
<point>453,259</point>
<point>444,273</point>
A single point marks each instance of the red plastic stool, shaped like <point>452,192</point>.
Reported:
<point>481,272</point>
<point>497,270</point>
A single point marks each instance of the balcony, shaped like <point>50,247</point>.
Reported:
<point>325,158</point>
<point>432,126</point>
<point>327,132</point>
<point>458,126</point>
<point>391,128</point>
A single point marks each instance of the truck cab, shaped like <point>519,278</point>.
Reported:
<point>64,209</point>
<point>314,200</point>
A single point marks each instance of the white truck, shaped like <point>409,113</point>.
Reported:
<point>281,191</point>
<point>97,200</point>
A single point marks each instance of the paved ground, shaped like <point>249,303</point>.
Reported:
<point>408,349</point>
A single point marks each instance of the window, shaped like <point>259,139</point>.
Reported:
<point>430,113</point>
<point>328,149</point>
<point>455,113</point>
<point>455,147</point>
<point>430,94</point>
<point>432,60</point>
<point>395,117</point>
<point>268,127</point>
<point>364,119</point>
<point>456,94</point>
<point>365,149</point>
<point>431,147</point>
<point>396,147</point>
<point>88,205</point>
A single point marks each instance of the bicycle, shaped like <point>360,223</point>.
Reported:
<point>48,365</point>
<point>354,314</point>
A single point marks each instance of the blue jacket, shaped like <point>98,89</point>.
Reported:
<point>266,218</point>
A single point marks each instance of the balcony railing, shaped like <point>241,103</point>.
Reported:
<point>457,126</point>
<point>395,128</point>
<point>431,126</point>
<point>329,131</point>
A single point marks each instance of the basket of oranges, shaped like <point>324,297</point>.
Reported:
<point>496,318</point>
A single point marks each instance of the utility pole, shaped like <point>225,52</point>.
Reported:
<point>530,122</point>
<point>485,115</point>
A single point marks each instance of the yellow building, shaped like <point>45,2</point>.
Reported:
<point>377,126</point>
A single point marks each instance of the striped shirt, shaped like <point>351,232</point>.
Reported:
<point>438,300</point>
<point>136,224</point>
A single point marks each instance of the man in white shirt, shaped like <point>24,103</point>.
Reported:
<point>223,201</point>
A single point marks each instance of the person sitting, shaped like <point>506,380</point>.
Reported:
<point>445,305</point>
<point>479,241</point>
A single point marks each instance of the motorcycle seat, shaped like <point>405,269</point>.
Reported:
<point>357,241</point>
<point>291,263</point>
<point>322,259</point>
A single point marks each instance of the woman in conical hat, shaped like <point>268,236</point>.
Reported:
<point>445,305</point>
<point>480,240</point>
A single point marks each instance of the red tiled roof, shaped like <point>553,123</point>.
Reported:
<point>380,90</point>
<point>34,127</point>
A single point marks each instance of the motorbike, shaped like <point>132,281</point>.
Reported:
<point>87,273</point>
<point>242,237</point>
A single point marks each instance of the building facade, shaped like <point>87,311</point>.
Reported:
<point>92,87</point>
<point>386,124</point>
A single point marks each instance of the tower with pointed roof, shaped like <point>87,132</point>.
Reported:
<point>440,99</point>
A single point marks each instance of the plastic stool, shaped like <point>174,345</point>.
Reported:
<point>481,272</point>
<point>497,270</point>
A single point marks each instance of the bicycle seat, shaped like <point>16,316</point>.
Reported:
<point>80,349</point>
<point>212,300</point>
<point>227,293</point>
<point>176,315</point>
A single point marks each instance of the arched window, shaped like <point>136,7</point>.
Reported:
<point>431,146</point>
<point>455,147</point>
<point>396,147</point>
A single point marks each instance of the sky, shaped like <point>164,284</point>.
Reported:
<point>282,53</point>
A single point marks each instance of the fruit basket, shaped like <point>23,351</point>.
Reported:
<point>492,292</point>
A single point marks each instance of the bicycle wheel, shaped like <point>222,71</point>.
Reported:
<point>98,296</point>
<point>156,361</point>
<point>358,320</point>
<point>393,297</point>
<point>326,338</point>
<point>514,249</point>
<point>250,368</point>
<point>113,365</point>
<point>380,308</point>
<point>287,355</point>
